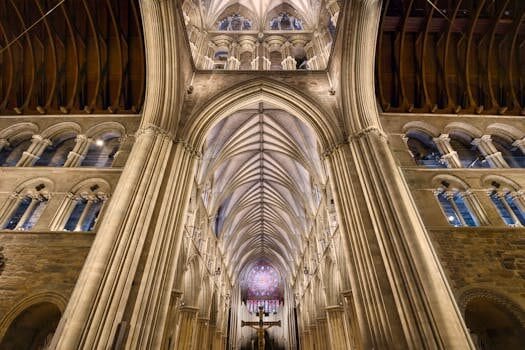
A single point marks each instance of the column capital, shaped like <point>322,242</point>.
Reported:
<point>40,139</point>
<point>333,148</point>
<point>517,143</point>
<point>374,130</point>
<point>334,308</point>
<point>189,309</point>
<point>441,138</point>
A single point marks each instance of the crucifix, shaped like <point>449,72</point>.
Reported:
<point>259,326</point>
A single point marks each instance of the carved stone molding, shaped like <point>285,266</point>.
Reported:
<point>369,130</point>
<point>480,293</point>
<point>149,128</point>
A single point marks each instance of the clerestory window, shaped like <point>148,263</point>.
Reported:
<point>456,207</point>
<point>509,207</point>
<point>85,212</point>
<point>26,211</point>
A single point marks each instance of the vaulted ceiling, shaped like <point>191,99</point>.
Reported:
<point>264,172</point>
<point>212,10</point>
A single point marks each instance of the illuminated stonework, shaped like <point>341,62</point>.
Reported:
<point>261,35</point>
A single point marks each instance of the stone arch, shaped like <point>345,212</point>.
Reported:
<point>332,281</point>
<point>214,308</point>
<point>63,139</point>
<point>204,300</point>
<point>288,8</point>
<point>469,294</point>
<point>319,296</point>
<point>103,184</point>
<point>507,131</point>
<point>257,90</point>
<point>105,128</point>
<point>48,297</point>
<point>487,181</point>
<point>18,130</point>
<point>468,129</point>
<point>55,131</point>
<point>49,184</point>
<point>240,9</point>
<point>494,320</point>
<point>19,138</point>
<point>422,127</point>
<point>454,181</point>
<point>192,282</point>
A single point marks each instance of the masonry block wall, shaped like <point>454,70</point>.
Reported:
<point>489,258</point>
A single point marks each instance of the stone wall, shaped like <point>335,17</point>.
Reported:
<point>40,263</point>
<point>490,257</point>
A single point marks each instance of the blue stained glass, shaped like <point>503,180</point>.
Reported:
<point>502,209</point>
<point>464,211</point>
<point>91,216</point>
<point>75,215</point>
<point>515,208</point>
<point>18,213</point>
<point>448,209</point>
<point>34,215</point>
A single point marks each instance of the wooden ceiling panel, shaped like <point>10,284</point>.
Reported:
<point>461,56</point>
<point>82,56</point>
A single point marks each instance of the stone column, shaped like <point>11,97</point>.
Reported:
<point>487,149</point>
<point>337,328</point>
<point>77,154</point>
<point>120,158</point>
<point>128,276</point>
<point>447,152</point>
<point>201,339</point>
<point>171,329</point>
<point>308,338</point>
<point>35,150</point>
<point>324,336</point>
<point>314,336</point>
<point>187,328</point>
<point>212,329</point>
<point>518,143</point>
<point>401,294</point>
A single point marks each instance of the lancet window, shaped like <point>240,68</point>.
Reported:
<point>11,152</point>
<point>509,204</point>
<point>510,152</point>
<point>102,151</point>
<point>457,207</point>
<point>55,155</point>
<point>84,209</point>
<point>26,208</point>
<point>285,21</point>
<point>235,22</point>
<point>468,153</point>
<point>424,150</point>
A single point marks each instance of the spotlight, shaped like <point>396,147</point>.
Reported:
<point>99,143</point>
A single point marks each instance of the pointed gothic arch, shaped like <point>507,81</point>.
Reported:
<point>298,104</point>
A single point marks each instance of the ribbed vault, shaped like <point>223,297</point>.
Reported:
<point>260,178</point>
<point>212,10</point>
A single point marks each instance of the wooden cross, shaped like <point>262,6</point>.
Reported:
<point>259,326</point>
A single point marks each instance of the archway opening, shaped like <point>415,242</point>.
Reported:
<point>493,326</point>
<point>33,328</point>
<point>260,184</point>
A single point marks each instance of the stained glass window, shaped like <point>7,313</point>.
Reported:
<point>263,288</point>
